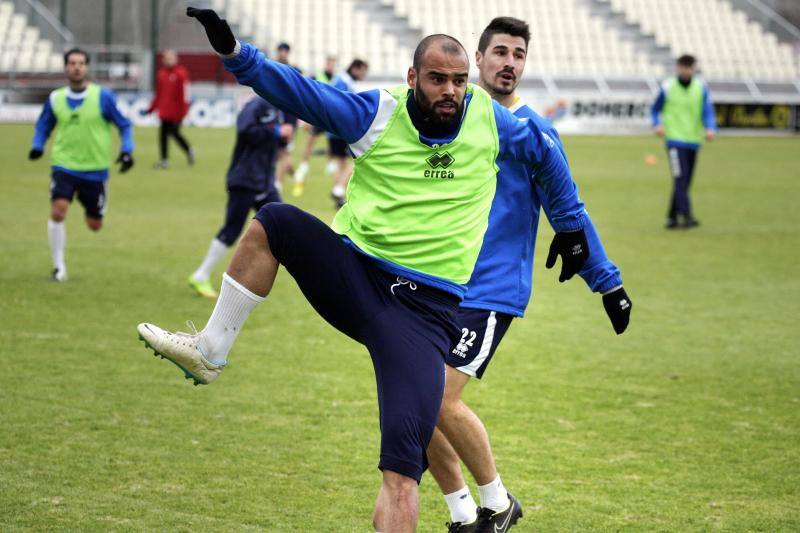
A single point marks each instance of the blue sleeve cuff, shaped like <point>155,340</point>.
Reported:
<point>570,223</point>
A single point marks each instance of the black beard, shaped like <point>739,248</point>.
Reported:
<point>428,122</point>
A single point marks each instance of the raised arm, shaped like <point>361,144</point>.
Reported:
<point>346,115</point>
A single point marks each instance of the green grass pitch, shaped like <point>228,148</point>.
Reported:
<point>690,421</point>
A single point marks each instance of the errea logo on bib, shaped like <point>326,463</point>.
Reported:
<point>440,160</point>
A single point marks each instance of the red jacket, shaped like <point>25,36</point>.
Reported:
<point>171,100</point>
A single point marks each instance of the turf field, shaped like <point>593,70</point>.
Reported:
<point>690,421</point>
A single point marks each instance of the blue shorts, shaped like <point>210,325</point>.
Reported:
<point>91,194</point>
<point>481,333</point>
<point>240,202</point>
<point>407,327</point>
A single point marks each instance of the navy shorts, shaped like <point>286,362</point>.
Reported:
<point>337,147</point>
<point>481,333</point>
<point>91,194</point>
<point>240,202</point>
<point>407,327</point>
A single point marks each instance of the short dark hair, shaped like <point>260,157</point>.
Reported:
<point>284,46</point>
<point>510,25</point>
<point>357,63</point>
<point>450,45</point>
<point>686,60</point>
<point>76,50</point>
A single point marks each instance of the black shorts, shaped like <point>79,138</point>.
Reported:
<point>240,202</point>
<point>91,194</point>
<point>338,147</point>
<point>407,327</point>
<point>481,333</point>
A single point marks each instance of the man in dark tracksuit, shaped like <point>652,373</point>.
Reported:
<point>260,127</point>
<point>684,114</point>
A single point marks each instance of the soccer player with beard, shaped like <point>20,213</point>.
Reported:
<point>392,270</point>
<point>499,290</point>
<point>81,114</point>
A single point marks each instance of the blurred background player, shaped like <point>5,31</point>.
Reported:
<point>250,181</point>
<point>284,165</point>
<point>172,102</point>
<point>499,290</point>
<point>324,76</point>
<point>683,114</point>
<point>337,147</point>
<point>81,113</point>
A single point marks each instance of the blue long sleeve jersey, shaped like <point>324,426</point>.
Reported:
<point>709,116</point>
<point>503,275</point>
<point>258,133</point>
<point>110,112</point>
<point>360,118</point>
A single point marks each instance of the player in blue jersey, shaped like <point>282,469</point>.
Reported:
<point>250,181</point>
<point>499,290</point>
<point>392,270</point>
<point>337,147</point>
<point>81,114</point>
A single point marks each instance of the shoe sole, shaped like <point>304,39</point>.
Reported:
<point>156,353</point>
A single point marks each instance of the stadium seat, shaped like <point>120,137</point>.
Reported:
<point>731,47</point>
<point>22,49</point>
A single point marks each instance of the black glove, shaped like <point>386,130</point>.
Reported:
<point>34,154</point>
<point>573,249</point>
<point>125,162</point>
<point>219,33</point>
<point>618,308</point>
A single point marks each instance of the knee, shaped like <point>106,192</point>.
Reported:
<point>277,220</point>
<point>58,211</point>
<point>94,224</point>
<point>451,404</point>
<point>400,486</point>
<point>228,235</point>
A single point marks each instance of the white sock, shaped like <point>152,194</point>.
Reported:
<point>462,507</point>
<point>57,235</point>
<point>338,190</point>
<point>332,167</point>
<point>234,305</point>
<point>216,251</point>
<point>300,173</point>
<point>494,495</point>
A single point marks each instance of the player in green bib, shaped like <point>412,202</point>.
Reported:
<point>323,76</point>
<point>684,115</point>
<point>392,270</point>
<point>81,114</point>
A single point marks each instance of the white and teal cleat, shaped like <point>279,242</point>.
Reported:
<point>180,349</point>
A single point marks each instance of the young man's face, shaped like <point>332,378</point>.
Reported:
<point>502,63</point>
<point>170,59</point>
<point>685,72</point>
<point>330,64</point>
<point>440,85</point>
<point>360,73</point>
<point>76,68</point>
<point>282,55</point>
